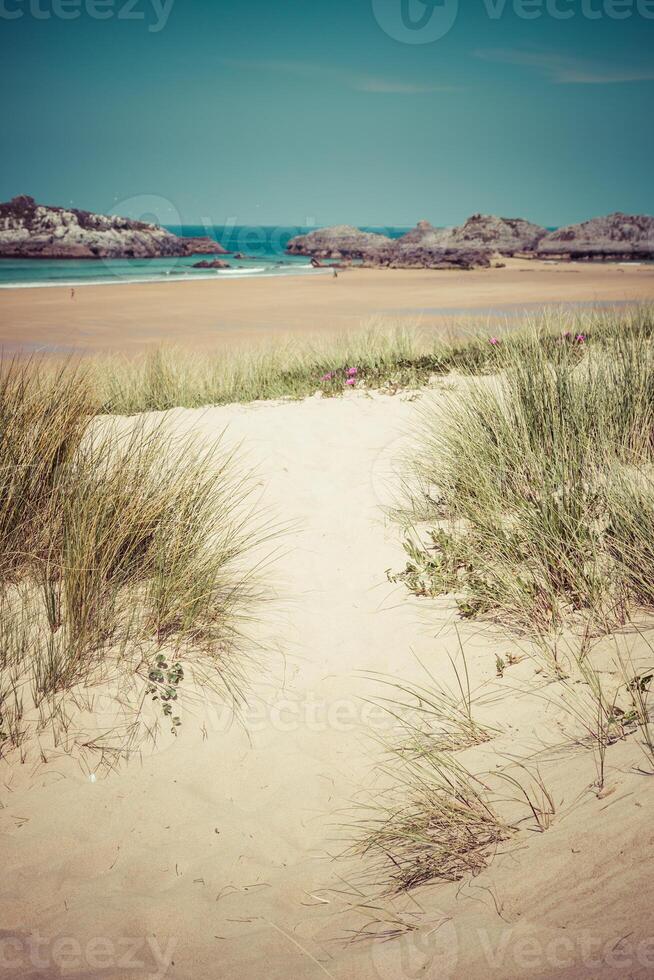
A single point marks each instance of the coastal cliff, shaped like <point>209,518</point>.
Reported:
<point>31,230</point>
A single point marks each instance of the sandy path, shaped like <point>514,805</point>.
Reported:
<point>209,313</point>
<point>215,851</point>
<point>220,844</point>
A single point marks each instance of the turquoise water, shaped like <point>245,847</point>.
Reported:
<point>263,246</point>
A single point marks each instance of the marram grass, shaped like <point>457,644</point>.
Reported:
<point>379,357</point>
<point>122,548</point>
<point>538,483</point>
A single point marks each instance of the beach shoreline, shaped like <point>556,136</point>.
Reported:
<point>207,313</point>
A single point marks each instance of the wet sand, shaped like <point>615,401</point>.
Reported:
<point>132,317</point>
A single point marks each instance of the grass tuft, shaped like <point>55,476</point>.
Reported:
<point>121,548</point>
<point>536,482</point>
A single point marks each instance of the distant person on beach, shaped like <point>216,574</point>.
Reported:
<point>72,294</point>
<point>335,273</point>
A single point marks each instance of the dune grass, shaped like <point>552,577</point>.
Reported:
<point>530,500</point>
<point>168,377</point>
<point>434,819</point>
<point>377,357</point>
<point>437,824</point>
<point>538,481</point>
<point>121,548</point>
<point>43,416</point>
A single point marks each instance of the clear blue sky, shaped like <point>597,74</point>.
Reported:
<point>283,111</point>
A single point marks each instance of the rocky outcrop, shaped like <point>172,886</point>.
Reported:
<point>200,246</point>
<point>480,233</point>
<point>214,264</point>
<point>338,242</point>
<point>425,235</point>
<point>416,256</point>
<point>424,248</point>
<point>617,237</point>
<point>504,235</point>
<point>31,230</point>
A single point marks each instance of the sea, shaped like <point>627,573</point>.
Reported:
<point>263,247</point>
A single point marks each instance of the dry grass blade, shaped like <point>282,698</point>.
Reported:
<point>436,825</point>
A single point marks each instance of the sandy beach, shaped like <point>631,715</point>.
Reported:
<point>327,490</point>
<point>132,317</point>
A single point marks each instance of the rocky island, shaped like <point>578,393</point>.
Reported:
<point>481,238</point>
<point>616,237</point>
<point>422,248</point>
<point>34,231</point>
<point>211,264</point>
<point>472,245</point>
<point>508,236</point>
<point>338,242</point>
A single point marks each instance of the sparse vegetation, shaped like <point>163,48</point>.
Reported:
<point>531,504</point>
<point>437,824</point>
<point>436,821</point>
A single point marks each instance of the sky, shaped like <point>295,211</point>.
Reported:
<point>295,112</point>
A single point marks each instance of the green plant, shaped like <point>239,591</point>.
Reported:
<point>433,567</point>
<point>163,681</point>
<point>596,707</point>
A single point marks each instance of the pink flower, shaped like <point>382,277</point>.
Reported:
<point>352,371</point>
<point>494,341</point>
<point>351,381</point>
<point>327,377</point>
<point>580,338</point>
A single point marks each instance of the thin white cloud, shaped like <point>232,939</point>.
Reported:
<point>352,80</point>
<point>565,69</point>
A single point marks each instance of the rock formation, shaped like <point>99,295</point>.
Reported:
<point>425,248</point>
<point>504,235</point>
<point>213,264</point>
<point>614,237</point>
<point>338,242</point>
<point>31,230</point>
<point>436,257</point>
<point>425,234</point>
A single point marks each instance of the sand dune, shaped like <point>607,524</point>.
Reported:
<point>215,854</point>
